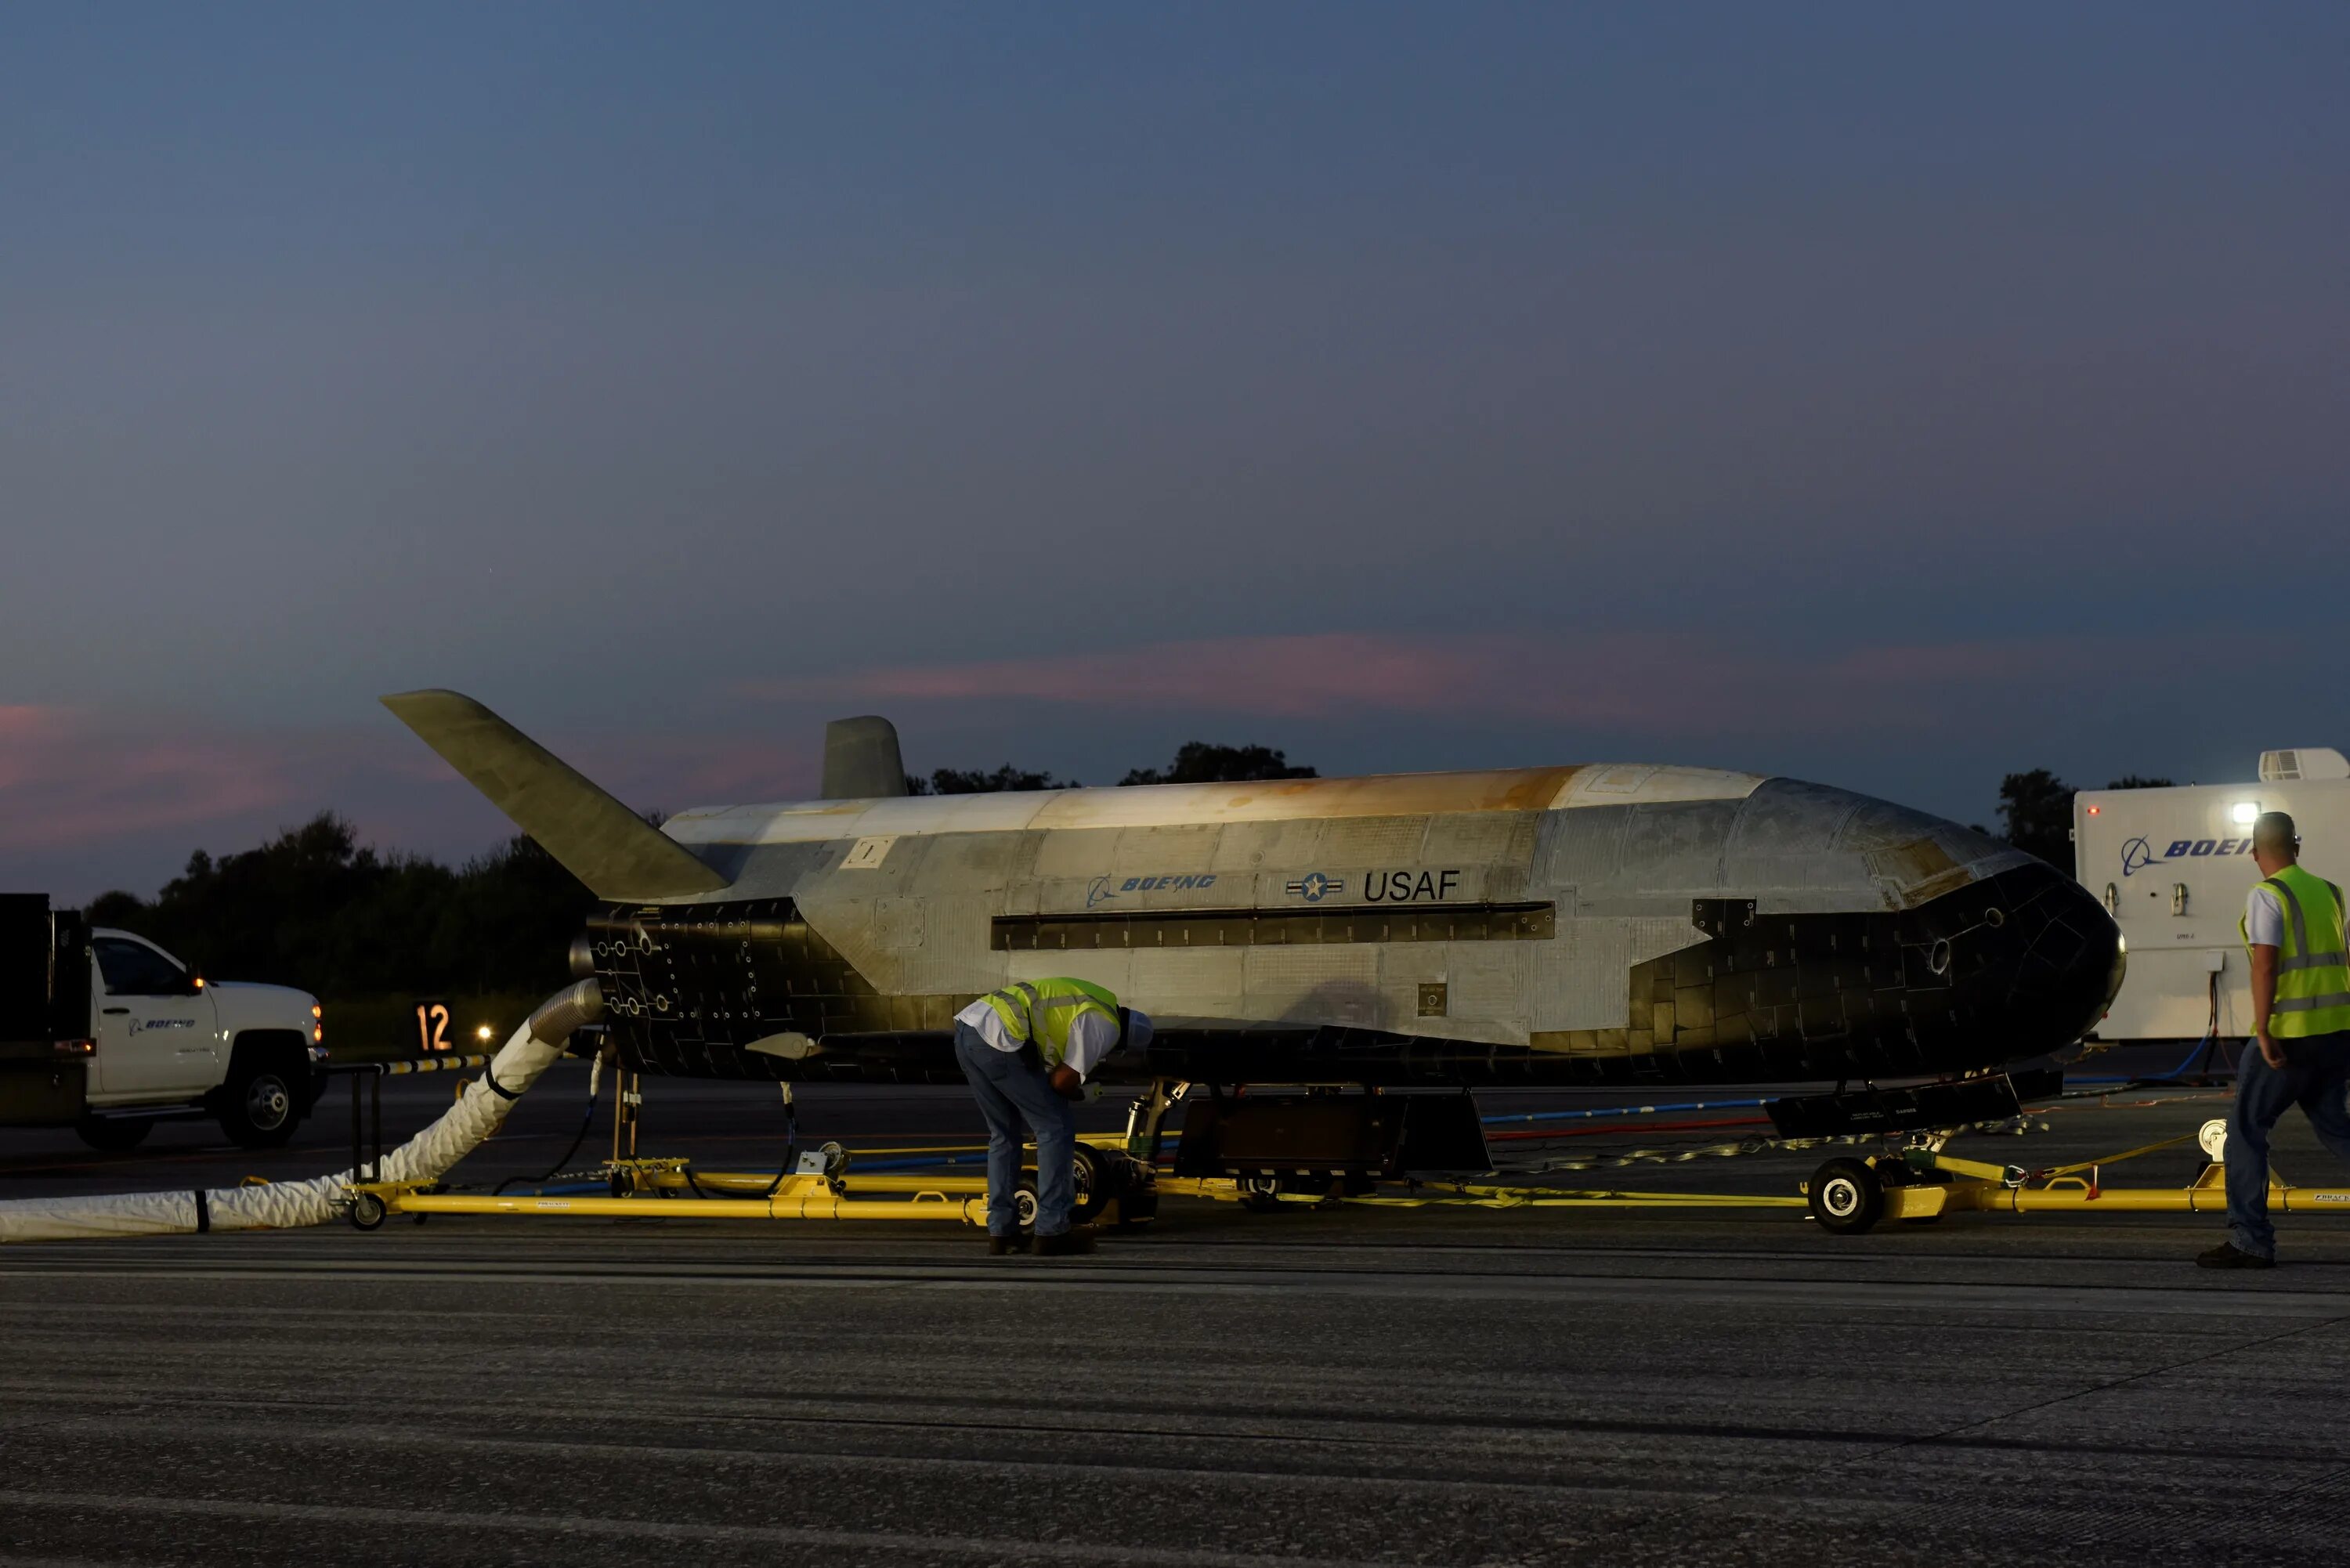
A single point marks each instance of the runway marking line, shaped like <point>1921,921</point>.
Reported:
<point>994,1548</point>
<point>1976,1296</point>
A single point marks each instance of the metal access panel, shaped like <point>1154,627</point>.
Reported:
<point>44,999</point>
<point>1350,1135</point>
<point>1950,1105</point>
<point>38,1092</point>
<point>27,967</point>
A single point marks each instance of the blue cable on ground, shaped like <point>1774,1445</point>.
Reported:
<point>2171,1076</point>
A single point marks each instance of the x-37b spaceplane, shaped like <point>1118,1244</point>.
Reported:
<point>1592,925</point>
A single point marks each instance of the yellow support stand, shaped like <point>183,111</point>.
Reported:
<point>1940,1184</point>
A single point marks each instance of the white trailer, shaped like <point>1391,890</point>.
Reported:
<point>2173,867</point>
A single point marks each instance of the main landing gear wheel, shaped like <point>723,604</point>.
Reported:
<point>1846,1197</point>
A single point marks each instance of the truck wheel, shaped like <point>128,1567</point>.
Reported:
<point>259,1107</point>
<point>112,1134</point>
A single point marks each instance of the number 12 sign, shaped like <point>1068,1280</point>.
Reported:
<point>433,1026</point>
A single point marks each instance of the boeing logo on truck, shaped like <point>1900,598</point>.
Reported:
<point>2138,853</point>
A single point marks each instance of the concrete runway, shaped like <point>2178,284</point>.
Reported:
<point>1423,1386</point>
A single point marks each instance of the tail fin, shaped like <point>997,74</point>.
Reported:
<point>618,853</point>
<point>861,760</point>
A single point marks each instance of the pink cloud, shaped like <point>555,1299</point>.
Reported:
<point>87,803</point>
<point>66,782</point>
<point>1281,676</point>
<point>1657,683</point>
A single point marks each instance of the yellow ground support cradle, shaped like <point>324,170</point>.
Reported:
<point>1850,1196</point>
<point>1847,1195</point>
<point>795,1197</point>
<point>668,1189</point>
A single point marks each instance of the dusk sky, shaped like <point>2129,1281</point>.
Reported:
<point>1891,396</point>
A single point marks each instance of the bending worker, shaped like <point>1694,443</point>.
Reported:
<point>2300,1017</point>
<point>1027,1050</point>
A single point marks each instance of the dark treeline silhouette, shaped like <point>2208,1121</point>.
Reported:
<point>970,781</point>
<point>1196,762</point>
<point>314,907</point>
<point>2036,810</point>
<point>1199,762</point>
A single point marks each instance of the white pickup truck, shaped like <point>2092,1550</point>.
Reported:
<point>170,1043</point>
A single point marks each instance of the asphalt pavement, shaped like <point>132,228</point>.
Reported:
<point>1422,1385</point>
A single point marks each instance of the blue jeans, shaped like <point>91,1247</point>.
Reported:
<point>1013,1086</point>
<point>2316,1077</point>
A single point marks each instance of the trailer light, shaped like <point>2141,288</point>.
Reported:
<point>2244,813</point>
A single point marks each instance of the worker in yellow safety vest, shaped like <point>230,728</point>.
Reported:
<point>2292,930</point>
<point>1027,1050</point>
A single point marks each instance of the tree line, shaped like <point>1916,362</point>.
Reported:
<point>2035,811</point>
<point>1196,762</point>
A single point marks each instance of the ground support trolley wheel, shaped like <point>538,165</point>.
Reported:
<point>368,1210</point>
<point>1091,1179</point>
<point>1846,1197</point>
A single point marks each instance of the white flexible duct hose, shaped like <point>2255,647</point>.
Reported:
<point>282,1205</point>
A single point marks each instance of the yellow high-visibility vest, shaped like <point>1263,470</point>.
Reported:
<point>1042,1010</point>
<point>2313,983</point>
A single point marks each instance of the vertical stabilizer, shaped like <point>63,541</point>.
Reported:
<point>861,760</point>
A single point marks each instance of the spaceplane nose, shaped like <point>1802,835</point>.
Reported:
<point>2044,959</point>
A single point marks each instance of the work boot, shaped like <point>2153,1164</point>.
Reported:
<point>1075,1239</point>
<point>1003,1246</point>
<point>2226,1255</point>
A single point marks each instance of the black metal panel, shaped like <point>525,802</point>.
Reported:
<point>1276,928</point>
<point>1870,1111</point>
<point>43,1094</point>
<point>689,989</point>
<point>26,961</point>
<point>1998,971</point>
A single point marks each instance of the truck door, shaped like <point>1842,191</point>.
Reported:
<point>155,1033</point>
